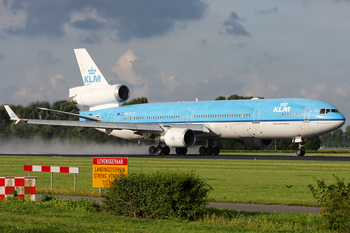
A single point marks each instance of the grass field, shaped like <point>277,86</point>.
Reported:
<point>31,217</point>
<point>239,181</point>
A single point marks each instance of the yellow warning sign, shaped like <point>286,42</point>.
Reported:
<point>105,170</point>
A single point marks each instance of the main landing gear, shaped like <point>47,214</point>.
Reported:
<point>209,150</point>
<point>159,150</point>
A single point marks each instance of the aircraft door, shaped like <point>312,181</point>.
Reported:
<point>307,114</point>
<point>113,117</point>
<point>256,115</point>
<point>189,116</point>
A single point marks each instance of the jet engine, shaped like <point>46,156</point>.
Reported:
<point>179,137</point>
<point>102,95</point>
<point>258,143</point>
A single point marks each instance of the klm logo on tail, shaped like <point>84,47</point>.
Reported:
<point>92,78</point>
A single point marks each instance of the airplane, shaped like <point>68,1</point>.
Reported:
<point>255,122</point>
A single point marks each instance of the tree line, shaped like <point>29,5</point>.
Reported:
<point>10,131</point>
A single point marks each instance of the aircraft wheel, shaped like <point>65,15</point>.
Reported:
<point>178,150</point>
<point>202,150</point>
<point>166,150</point>
<point>159,150</point>
<point>300,152</point>
<point>209,150</point>
<point>216,150</point>
<point>181,150</point>
<point>152,150</point>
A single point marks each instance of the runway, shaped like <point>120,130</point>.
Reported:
<point>194,156</point>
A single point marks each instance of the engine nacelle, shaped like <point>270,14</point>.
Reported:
<point>102,95</point>
<point>179,137</point>
<point>258,143</point>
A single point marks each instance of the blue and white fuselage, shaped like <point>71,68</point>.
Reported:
<point>255,122</point>
<point>232,119</point>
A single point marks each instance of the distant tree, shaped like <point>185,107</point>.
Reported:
<point>347,135</point>
<point>338,137</point>
<point>141,100</point>
<point>313,143</point>
<point>326,139</point>
<point>284,144</point>
<point>221,98</point>
<point>236,97</point>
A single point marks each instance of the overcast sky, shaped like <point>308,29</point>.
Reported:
<point>180,50</point>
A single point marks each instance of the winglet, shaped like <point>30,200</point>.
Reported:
<point>12,115</point>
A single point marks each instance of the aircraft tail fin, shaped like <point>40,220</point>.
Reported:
<point>89,71</point>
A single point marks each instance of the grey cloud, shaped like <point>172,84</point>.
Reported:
<point>45,57</point>
<point>273,10</point>
<point>233,27</point>
<point>204,42</point>
<point>44,18</point>
<point>1,57</point>
<point>90,39</point>
<point>125,19</point>
<point>15,5</point>
<point>88,24</point>
<point>142,67</point>
<point>270,58</point>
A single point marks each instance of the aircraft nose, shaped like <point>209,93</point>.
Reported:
<point>341,121</point>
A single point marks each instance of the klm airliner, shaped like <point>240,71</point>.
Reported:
<point>255,122</point>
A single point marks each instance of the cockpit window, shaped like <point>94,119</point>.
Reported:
<point>327,110</point>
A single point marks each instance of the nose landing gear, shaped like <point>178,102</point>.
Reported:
<point>301,150</point>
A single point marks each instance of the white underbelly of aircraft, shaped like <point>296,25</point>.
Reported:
<point>272,130</point>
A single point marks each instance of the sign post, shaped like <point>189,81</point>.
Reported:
<point>105,170</point>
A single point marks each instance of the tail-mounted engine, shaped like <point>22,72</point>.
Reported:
<point>179,137</point>
<point>257,143</point>
<point>99,95</point>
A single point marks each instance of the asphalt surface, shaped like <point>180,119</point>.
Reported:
<point>231,206</point>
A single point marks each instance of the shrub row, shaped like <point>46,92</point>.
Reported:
<point>158,195</point>
<point>335,203</point>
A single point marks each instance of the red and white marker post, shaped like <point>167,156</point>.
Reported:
<point>52,169</point>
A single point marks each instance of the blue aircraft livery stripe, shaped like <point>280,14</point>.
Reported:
<point>258,110</point>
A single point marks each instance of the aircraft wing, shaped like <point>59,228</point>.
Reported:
<point>97,123</point>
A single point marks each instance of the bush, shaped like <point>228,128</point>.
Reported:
<point>157,195</point>
<point>335,203</point>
